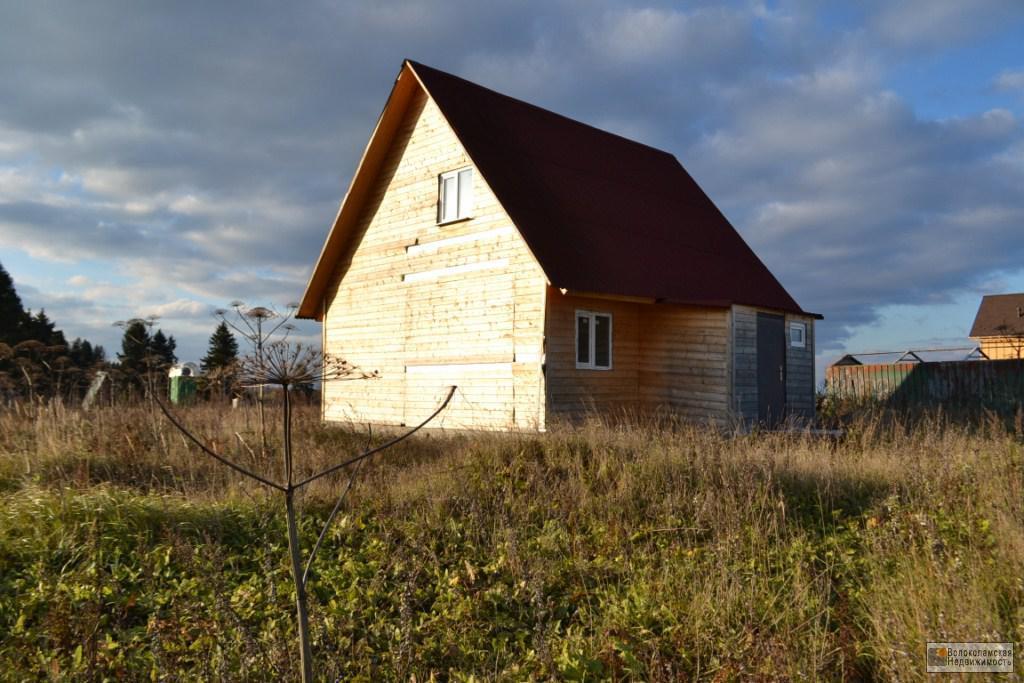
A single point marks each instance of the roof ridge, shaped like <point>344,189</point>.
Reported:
<point>414,64</point>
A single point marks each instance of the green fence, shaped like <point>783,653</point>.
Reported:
<point>997,384</point>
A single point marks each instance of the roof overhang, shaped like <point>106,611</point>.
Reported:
<point>702,303</point>
<point>406,86</point>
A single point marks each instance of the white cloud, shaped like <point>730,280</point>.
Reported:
<point>1010,80</point>
<point>180,308</point>
<point>188,205</point>
<point>938,23</point>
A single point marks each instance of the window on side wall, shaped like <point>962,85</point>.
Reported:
<point>798,335</point>
<point>593,340</point>
<point>454,195</point>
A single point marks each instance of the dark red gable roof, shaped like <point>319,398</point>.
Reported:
<point>601,213</point>
<point>999,315</point>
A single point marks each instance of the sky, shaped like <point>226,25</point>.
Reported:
<point>167,158</point>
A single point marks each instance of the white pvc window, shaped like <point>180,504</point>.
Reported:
<point>593,340</point>
<point>454,195</point>
<point>798,335</point>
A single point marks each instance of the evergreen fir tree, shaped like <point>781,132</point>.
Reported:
<point>84,355</point>
<point>162,347</point>
<point>80,353</point>
<point>41,328</point>
<point>223,350</point>
<point>135,346</point>
<point>12,315</point>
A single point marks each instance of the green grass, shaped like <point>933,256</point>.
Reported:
<point>650,551</point>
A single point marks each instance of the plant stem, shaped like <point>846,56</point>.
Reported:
<point>286,406</point>
<point>306,650</point>
<point>298,576</point>
<point>263,424</point>
<point>260,399</point>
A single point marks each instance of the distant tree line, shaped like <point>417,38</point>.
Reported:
<point>36,361</point>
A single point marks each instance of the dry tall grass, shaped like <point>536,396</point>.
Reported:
<point>642,550</point>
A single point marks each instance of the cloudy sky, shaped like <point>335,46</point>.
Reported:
<point>166,158</point>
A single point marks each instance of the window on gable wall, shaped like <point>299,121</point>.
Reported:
<point>454,195</point>
<point>593,340</point>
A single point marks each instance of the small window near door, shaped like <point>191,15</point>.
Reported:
<point>593,340</point>
<point>798,335</point>
<point>454,195</point>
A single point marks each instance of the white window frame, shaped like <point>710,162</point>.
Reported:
<point>802,328</point>
<point>463,196</point>
<point>592,355</point>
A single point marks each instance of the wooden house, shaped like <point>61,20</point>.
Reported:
<point>999,326</point>
<point>549,270</point>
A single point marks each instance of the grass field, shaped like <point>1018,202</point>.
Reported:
<point>650,551</point>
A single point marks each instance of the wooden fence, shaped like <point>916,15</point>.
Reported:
<point>996,384</point>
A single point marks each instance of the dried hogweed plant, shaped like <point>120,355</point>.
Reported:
<point>262,327</point>
<point>289,366</point>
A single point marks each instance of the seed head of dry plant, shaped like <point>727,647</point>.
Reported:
<point>286,364</point>
<point>253,322</point>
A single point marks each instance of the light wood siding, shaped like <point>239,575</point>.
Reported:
<point>799,366</point>
<point>429,306</point>
<point>674,357</point>
<point>1002,348</point>
<point>573,393</point>
<point>684,362</point>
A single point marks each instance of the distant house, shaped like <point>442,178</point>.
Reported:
<point>999,326</point>
<point>547,268</point>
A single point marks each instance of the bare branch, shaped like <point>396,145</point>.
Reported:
<point>215,456</point>
<point>284,321</point>
<point>334,512</point>
<point>383,446</point>
<point>252,335</point>
<point>235,327</point>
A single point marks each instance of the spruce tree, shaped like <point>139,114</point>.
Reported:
<point>162,347</point>
<point>80,352</point>
<point>223,350</point>
<point>135,346</point>
<point>84,355</point>
<point>13,317</point>
<point>41,328</point>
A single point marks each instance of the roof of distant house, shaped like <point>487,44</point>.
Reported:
<point>602,214</point>
<point>999,315</point>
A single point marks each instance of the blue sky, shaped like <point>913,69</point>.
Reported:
<point>166,159</point>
